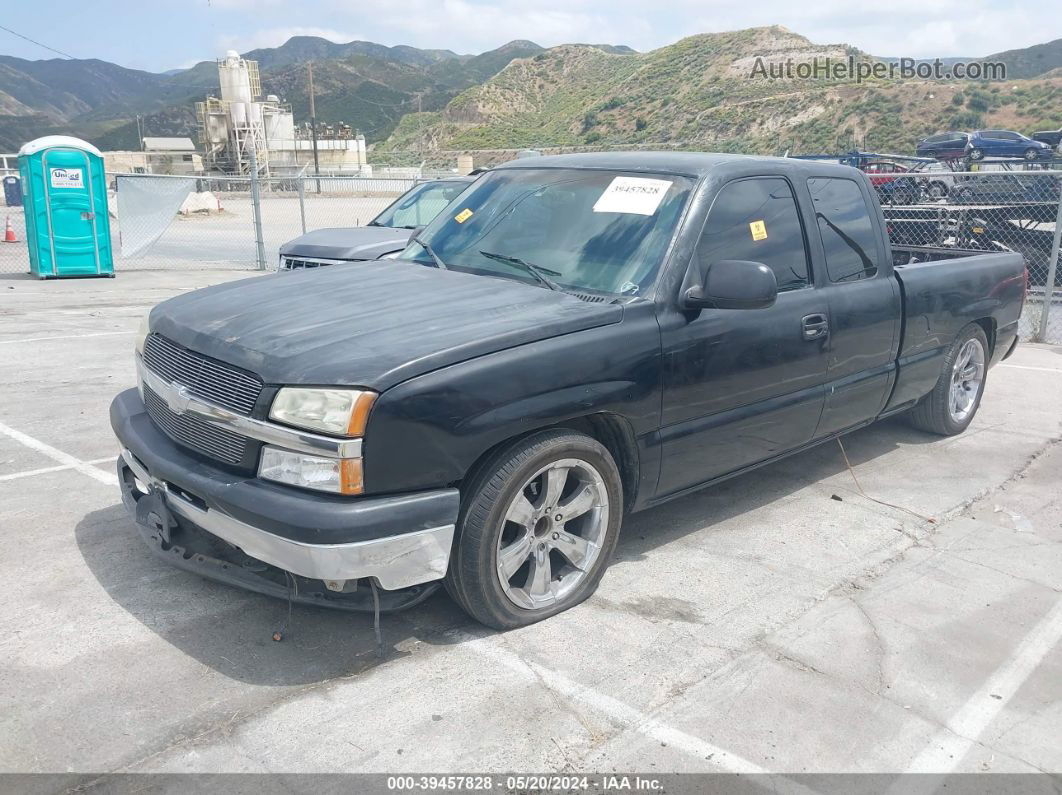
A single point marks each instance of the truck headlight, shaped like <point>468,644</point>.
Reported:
<point>142,333</point>
<point>341,412</point>
<point>337,475</point>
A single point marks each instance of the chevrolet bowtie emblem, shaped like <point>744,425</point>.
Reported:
<point>177,398</point>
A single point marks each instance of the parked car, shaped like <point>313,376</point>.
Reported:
<point>580,337</point>
<point>384,236</point>
<point>1052,138</point>
<point>1004,187</point>
<point>944,146</point>
<point>1005,143</point>
<point>891,182</point>
<point>933,178</point>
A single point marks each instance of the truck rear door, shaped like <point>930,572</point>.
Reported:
<point>854,275</point>
<point>744,385</point>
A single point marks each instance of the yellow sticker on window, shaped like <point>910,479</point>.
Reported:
<point>758,230</point>
<point>463,216</point>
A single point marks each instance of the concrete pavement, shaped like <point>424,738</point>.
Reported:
<point>786,621</point>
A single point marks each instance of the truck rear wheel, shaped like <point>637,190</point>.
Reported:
<point>952,404</point>
<point>538,525</point>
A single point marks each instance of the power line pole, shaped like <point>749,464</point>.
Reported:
<point>313,127</point>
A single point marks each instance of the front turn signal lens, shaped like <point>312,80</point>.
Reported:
<point>335,475</point>
<point>359,415</point>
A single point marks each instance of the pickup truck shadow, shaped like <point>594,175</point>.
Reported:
<point>231,631</point>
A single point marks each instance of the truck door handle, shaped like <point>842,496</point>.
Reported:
<point>815,326</point>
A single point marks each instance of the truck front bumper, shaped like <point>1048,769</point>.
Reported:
<point>400,540</point>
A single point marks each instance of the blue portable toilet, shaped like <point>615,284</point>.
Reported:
<point>68,229</point>
<point>12,191</point>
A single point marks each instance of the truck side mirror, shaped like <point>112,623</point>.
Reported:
<point>730,284</point>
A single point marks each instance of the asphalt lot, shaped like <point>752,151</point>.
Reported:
<point>783,621</point>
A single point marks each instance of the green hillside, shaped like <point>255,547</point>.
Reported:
<point>698,93</point>
<point>367,85</point>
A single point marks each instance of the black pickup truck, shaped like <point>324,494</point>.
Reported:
<point>576,338</point>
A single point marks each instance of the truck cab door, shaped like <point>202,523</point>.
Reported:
<point>744,385</point>
<point>863,300</point>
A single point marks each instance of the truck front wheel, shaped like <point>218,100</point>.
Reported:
<point>538,525</point>
<point>952,404</point>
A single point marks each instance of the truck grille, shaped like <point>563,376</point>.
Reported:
<point>211,380</point>
<point>305,263</point>
<point>190,431</point>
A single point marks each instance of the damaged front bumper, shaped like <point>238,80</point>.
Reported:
<point>274,539</point>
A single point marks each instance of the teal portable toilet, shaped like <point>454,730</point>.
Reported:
<point>68,229</point>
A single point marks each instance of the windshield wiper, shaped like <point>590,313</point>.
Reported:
<point>438,261</point>
<point>535,270</point>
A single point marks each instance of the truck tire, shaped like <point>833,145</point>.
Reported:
<point>538,523</point>
<point>952,404</point>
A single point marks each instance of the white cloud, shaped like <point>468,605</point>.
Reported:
<point>274,37</point>
<point>911,28</point>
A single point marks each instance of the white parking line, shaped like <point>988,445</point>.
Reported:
<point>85,468</point>
<point>948,749</point>
<point>46,470</point>
<point>623,713</point>
<point>66,337</point>
<point>1029,367</point>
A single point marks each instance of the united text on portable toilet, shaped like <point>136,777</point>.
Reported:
<point>68,230</point>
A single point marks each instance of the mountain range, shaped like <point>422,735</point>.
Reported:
<point>697,91</point>
<point>700,93</point>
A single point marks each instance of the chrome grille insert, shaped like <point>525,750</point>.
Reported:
<point>305,263</point>
<point>190,431</point>
<point>211,380</point>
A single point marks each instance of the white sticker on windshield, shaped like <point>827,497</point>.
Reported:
<point>638,195</point>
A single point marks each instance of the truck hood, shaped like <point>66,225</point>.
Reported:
<point>354,243</point>
<point>371,326</point>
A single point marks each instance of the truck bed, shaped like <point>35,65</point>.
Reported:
<point>942,295</point>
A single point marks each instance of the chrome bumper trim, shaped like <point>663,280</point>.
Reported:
<point>182,401</point>
<point>396,562</point>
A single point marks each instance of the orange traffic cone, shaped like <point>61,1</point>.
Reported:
<point>9,233</point>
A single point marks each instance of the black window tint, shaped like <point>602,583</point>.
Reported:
<point>848,237</point>
<point>757,220</point>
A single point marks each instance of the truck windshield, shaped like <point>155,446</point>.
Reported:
<point>602,231</point>
<point>419,205</point>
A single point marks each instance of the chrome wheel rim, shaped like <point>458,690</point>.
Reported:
<point>552,533</point>
<point>966,376</point>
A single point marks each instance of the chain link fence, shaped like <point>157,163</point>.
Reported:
<point>937,213</point>
<point>930,212</point>
<point>223,223</point>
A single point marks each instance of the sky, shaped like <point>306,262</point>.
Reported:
<point>164,34</point>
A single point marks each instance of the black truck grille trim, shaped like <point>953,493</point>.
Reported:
<point>197,434</point>
<point>211,380</point>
